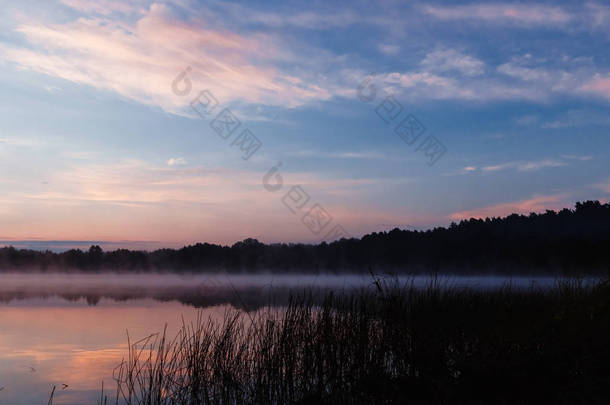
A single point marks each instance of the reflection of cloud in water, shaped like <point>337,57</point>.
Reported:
<point>75,344</point>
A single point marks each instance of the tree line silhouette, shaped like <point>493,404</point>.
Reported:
<point>569,241</point>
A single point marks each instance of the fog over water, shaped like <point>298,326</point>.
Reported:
<point>246,291</point>
<point>71,328</point>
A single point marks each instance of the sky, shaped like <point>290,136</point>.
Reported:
<point>164,123</point>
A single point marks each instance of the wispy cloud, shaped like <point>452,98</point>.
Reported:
<point>527,120</point>
<point>523,72</point>
<point>503,13</point>
<point>528,166</point>
<point>21,141</point>
<point>310,18</point>
<point>452,60</point>
<point>603,186</point>
<point>177,161</point>
<point>448,73</point>
<point>581,158</point>
<point>429,85</point>
<point>534,204</point>
<point>599,85</point>
<point>140,59</point>
<point>462,171</point>
<point>174,203</point>
<point>367,155</point>
<point>137,49</point>
<point>522,166</point>
<point>577,118</point>
<point>600,15</point>
<point>106,7</point>
<point>525,166</point>
<point>389,49</point>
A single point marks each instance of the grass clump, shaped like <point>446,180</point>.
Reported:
<point>396,345</point>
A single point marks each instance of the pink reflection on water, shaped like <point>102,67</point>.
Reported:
<point>46,342</point>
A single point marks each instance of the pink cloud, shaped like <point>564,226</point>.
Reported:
<point>181,204</point>
<point>535,204</point>
<point>140,60</point>
<point>599,86</point>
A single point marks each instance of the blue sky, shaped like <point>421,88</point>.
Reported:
<point>95,144</point>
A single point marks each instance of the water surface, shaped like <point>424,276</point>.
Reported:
<point>72,329</point>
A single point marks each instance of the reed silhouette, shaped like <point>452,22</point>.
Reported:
<point>396,345</point>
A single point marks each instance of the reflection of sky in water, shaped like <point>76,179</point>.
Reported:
<point>46,342</point>
<point>80,339</point>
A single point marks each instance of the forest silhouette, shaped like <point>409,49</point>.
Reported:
<point>570,241</point>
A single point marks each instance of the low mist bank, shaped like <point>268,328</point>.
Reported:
<point>245,291</point>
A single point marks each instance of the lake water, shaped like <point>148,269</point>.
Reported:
<point>72,329</point>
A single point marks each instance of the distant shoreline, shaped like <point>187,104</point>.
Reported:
<point>568,242</point>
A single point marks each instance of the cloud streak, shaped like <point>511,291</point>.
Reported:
<point>452,60</point>
<point>136,51</point>
<point>139,60</point>
<point>525,166</point>
<point>178,204</point>
<point>503,13</point>
<point>534,204</point>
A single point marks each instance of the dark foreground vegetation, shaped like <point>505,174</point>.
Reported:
<point>398,345</point>
<point>567,241</point>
